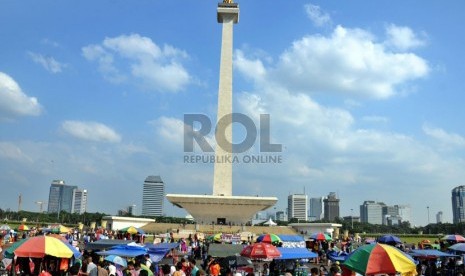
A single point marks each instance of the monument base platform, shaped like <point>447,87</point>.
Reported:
<point>221,209</point>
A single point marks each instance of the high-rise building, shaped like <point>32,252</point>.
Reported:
<point>153,194</point>
<point>372,212</point>
<point>389,212</point>
<point>331,207</point>
<point>297,207</point>
<point>439,217</point>
<point>405,212</point>
<point>316,208</point>
<point>79,203</point>
<point>281,216</point>
<point>66,198</point>
<point>458,206</point>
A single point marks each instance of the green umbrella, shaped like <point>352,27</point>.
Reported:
<point>9,253</point>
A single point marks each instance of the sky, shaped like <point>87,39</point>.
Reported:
<point>366,99</point>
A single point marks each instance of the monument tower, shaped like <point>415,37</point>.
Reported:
<point>222,207</point>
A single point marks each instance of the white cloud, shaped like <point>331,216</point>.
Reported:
<point>349,61</point>
<point>13,101</point>
<point>171,131</point>
<point>447,139</point>
<point>375,119</point>
<point>402,38</point>
<point>49,63</point>
<point>318,17</point>
<point>91,131</point>
<point>11,151</point>
<point>159,68</point>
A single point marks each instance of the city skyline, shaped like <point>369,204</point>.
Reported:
<point>364,98</point>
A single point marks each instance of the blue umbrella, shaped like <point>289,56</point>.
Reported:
<point>458,247</point>
<point>116,260</point>
<point>389,239</point>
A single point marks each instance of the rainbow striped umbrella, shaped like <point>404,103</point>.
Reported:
<point>38,247</point>
<point>319,236</point>
<point>269,238</point>
<point>379,258</point>
<point>453,238</point>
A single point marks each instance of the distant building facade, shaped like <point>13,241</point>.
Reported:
<point>439,217</point>
<point>297,205</point>
<point>66,198</point>
<point>281,216</point>
<point>379,213</point>
<point>372,212</point>
<point>79,205</point>
<point>153,195</point>
<point>331,207</point>
<point>316,209</point>
<point>458,206</point>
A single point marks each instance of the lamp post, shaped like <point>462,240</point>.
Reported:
<point>427,207</point>
<point>352,218</point>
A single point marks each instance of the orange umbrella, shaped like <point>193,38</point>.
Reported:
<point>23,227</point>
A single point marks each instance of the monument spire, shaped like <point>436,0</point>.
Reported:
<point>227,15</point>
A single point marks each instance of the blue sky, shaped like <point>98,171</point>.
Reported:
<point>365,98</point>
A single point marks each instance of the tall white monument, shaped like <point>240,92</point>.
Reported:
<point>222,206</point>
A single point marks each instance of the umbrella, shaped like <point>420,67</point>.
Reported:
<point>9,253</point>
<point>320,236</point>
<point>379,258</point>
<point>236,261</point>
<point>38,247</point>
<point>23,227</point>
<point>453,238</point>
<point>269,238</point>
<point>261,251</point>
<point>116,260</point>
<point>458,247</point>
<point>5,227</point>
<point>132,230</point>
<point>389,239</point>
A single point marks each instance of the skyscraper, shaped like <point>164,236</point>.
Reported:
<point>316,208</point>
<point>458,208</point>
<point>79,201</point>
<point>331,207</point>
<point>153,194</point>
<point>297,207</point>
<point>66,198</point>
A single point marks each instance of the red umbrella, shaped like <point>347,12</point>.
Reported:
<point>261,251</point>
<point>320,236</point>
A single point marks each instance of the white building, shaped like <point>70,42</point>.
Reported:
<point>297,207</point>
<point>79,204</point>
<point>153,195</point>
<point>117,223</point>
<point>405,212</point>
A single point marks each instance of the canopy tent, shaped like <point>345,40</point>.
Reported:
<point>125,251</point>
<point>429,254</point>
<point>270,222</point>
<point>105,244</point>
<point>295,253</point>
<point>292,241</point>
<point>224,250</point>
<point>158,251</point>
